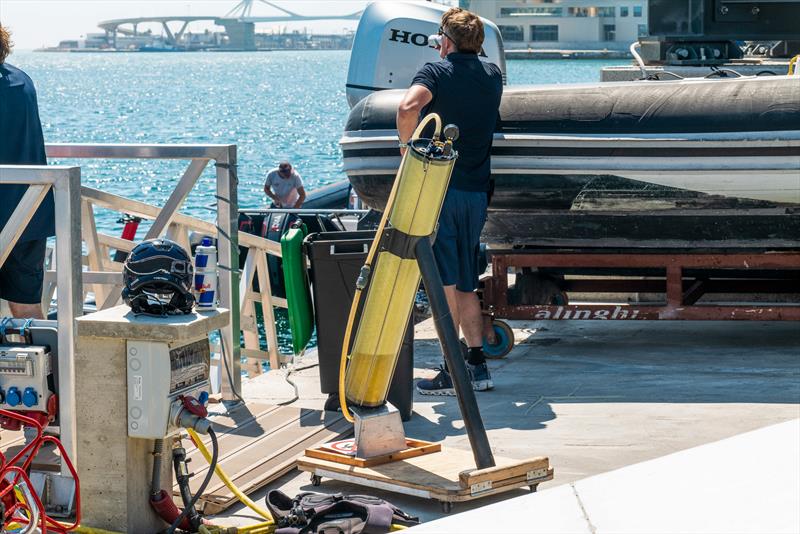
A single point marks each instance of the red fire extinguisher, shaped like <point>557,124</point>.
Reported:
<point>128,233</point>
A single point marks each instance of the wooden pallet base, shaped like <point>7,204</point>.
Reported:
<point>415,447</point>
<point>443,476</point>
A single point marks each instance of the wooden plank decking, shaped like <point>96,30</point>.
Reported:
<point>258,444</point>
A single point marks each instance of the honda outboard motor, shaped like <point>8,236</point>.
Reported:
<point>391,44</point>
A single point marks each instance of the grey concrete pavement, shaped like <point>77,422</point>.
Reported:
<point>594,396</point>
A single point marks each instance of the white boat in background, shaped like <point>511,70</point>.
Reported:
<point>712,161</point>
<point>749,151</point>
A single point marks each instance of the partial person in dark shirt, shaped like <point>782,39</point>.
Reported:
<point>464,91</point>
<point>22,143</point>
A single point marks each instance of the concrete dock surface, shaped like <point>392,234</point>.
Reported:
<point>593,396</point>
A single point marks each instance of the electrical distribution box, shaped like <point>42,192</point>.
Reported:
<point>159,376</point>
<point>25,377</point>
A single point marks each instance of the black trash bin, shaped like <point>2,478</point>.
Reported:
<point>336,259</point>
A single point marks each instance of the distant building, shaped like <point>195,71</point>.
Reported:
<point>565,24</point>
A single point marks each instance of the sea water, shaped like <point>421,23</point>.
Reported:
<point>272,105</point>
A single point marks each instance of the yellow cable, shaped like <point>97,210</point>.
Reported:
<point>259,528</point>
<point>371,256</point>
<point>89,530</point>
<point>231,486</point>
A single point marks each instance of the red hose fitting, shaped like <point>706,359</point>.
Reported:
<point>166,509</point>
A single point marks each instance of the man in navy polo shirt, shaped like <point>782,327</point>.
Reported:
<point>464,91</point>
<point>22,143</point>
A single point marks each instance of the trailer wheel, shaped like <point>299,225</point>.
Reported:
<point>504,341</point>
<point>316,480</point>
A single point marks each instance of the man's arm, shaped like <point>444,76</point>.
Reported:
<point>416,98</point>
<point>301,198</point>
<point>269,193</point>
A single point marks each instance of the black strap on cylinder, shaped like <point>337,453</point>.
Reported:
<point>399,243</point>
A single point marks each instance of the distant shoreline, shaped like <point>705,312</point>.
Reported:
<point>515,54</point>
<point>208,50</point>
<point>539,53</point>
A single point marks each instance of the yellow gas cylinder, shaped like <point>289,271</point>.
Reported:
<point>393,275</point>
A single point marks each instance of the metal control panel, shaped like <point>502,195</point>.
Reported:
<point>25,377</point>
<point>158,376</point>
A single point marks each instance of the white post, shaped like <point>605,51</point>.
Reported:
<point>67,190</point>
<point>228,247</point>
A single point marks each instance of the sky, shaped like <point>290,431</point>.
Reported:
<point>37,23</point>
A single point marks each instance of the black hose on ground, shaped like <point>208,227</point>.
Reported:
<point>211,467</point>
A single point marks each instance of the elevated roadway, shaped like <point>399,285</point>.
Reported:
<point>239,23</point>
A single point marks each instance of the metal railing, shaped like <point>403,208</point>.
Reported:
<point>65,182</point>
<point>166,221</point>
<point>72,274</point>
<point>77,232</point>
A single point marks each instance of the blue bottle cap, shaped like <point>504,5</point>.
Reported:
<point>206,242</point>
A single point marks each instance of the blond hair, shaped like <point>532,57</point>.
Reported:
<point>5,44</point>
<point>464,28</point>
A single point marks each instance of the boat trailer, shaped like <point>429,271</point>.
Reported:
<point>710,285</point>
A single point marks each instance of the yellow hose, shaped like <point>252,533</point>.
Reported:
<point>370,258</point>
<point>89,530</point>
<point>793,64</point>
<point>227,481</point>
<point>266,527</point>
<point>259,528</point>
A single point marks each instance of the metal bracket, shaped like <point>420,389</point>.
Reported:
<point>480,487</point>
<point>56,491</point>
<point>378,431</point>
<point>535,474</point>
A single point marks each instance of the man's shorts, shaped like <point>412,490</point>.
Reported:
<point>458,238</point>
<point>22,274</point>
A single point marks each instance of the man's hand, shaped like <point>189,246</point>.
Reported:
<point>416,98</point>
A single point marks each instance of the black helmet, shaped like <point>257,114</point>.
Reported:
<point>158,277</point>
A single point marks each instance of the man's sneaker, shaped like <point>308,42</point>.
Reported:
<point>481,379</point>
<point>441,384</point>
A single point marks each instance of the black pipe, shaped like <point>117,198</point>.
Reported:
<point>155,481</point>
<point>182,477</point>
<point>451,348</point>
<point>211,467</point>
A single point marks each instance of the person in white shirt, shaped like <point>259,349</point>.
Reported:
<point>285,187</point>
